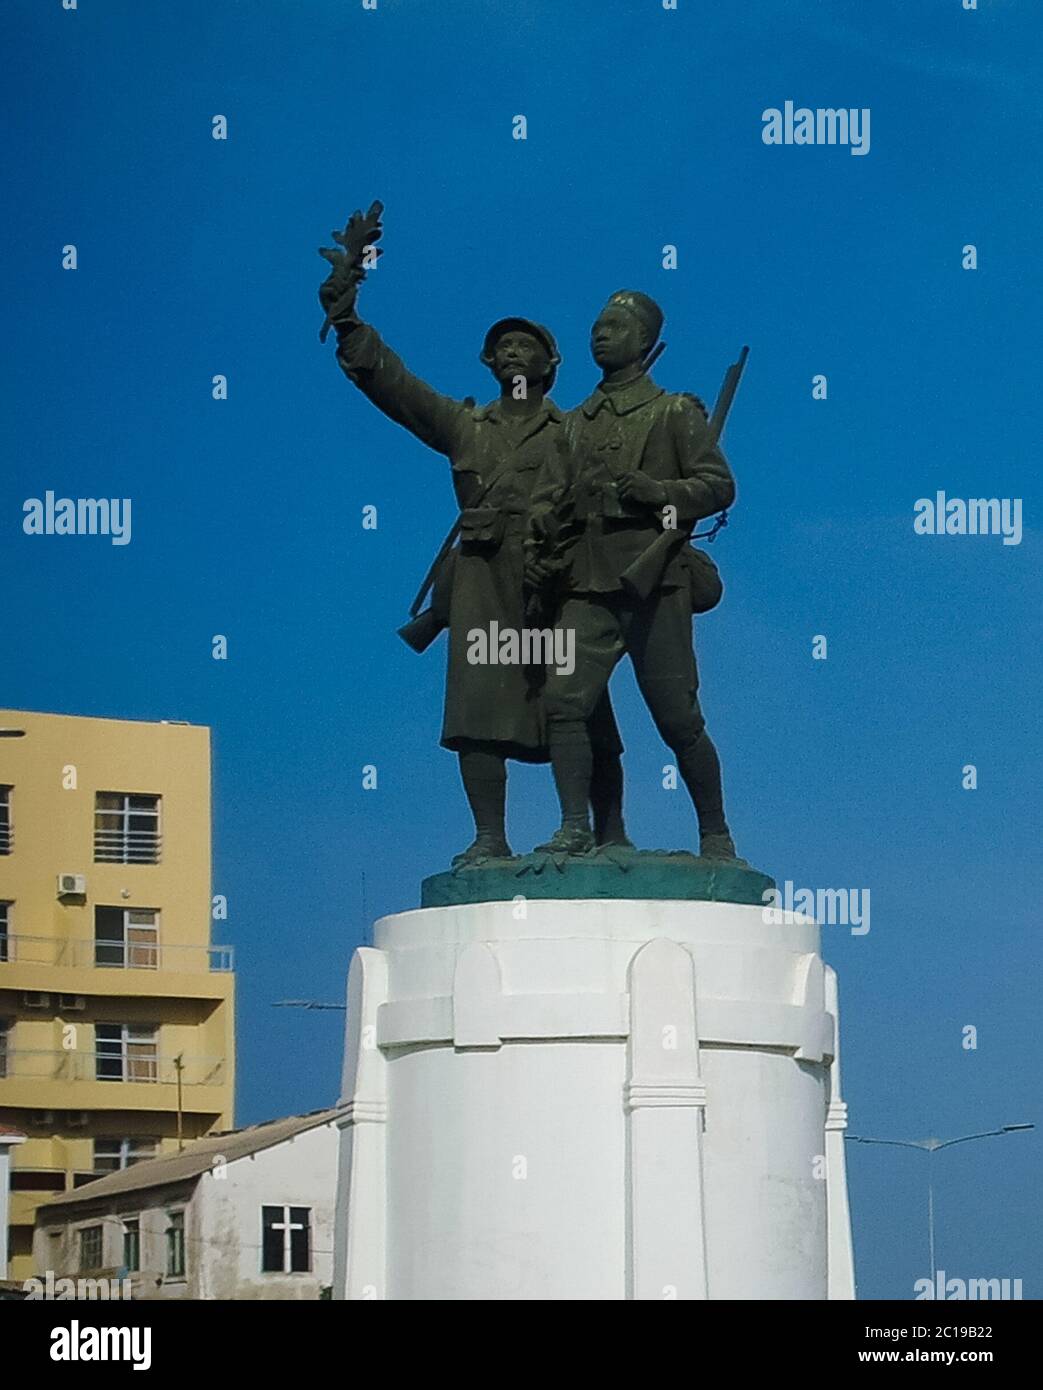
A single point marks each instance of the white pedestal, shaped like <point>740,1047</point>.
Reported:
<point>592,1100</point>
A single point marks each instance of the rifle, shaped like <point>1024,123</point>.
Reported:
<point>424,626</point>
<point>646,572</point>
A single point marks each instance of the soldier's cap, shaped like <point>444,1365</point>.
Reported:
<point>535,330</point>
<point>645,310</point>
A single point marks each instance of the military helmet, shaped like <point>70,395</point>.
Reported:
<point>644,309</point>
<point>536,330</point>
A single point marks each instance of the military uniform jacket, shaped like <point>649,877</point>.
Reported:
<point>618,429</point>
<point>495,703</point>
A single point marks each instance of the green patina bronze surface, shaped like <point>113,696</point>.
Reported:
<point>573,528</point>
<point>643,874</point>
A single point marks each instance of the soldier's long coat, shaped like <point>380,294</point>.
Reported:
<point>491,703</point>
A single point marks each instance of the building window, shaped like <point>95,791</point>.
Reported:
<point>5,927</point>
<point>285,1240</point>
<point>38,1180</point>
<point>90,1247</point>
<point>112,1155</point>
<point>126,1052</point>
<point>132,1246</point>
<point>6,833</point>
<point>176,1245</point>
<point>126,937</point>
<point>126,828</point>
<point>81,1179</point>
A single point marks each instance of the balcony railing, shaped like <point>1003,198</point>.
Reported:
<point>116,955</point>
<point>138,1068</point>
<point>127,846</point>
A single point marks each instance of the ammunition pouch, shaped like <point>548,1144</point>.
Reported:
<point>482,528</point>
<point>603,500</point>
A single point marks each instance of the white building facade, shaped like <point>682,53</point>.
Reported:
<point>9,1138</point>
<point>244,1215</point>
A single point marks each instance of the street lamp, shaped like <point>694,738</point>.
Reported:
<point>931,1147</point>
<point>305,1004</point>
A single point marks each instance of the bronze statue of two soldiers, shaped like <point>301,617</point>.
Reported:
<point>580,521</point>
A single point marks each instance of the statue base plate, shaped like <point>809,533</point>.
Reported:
<point>657,875</point>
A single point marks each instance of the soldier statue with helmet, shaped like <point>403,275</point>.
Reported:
<point>497,451</point>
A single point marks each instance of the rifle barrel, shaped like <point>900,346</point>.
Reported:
<point>726,395</point>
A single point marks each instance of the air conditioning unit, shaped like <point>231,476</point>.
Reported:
<point>72,1003</point>
<point>72,885</point>
<point>77,1119</point>
<point>43,1118</point>
<point>33,999</point>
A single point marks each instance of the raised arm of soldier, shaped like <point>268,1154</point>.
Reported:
<point>365,358</point>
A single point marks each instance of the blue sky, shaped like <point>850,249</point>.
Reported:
<point>197,257</point>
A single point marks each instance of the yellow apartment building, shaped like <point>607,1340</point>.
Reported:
<point>116,1012</point>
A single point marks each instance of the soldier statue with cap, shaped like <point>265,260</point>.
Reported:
<point>641,467</point>
<point>492,711</point>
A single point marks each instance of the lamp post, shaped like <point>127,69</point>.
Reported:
<point>931,1147</point>
<point>305,1004</point>
<point>179,1067</point>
